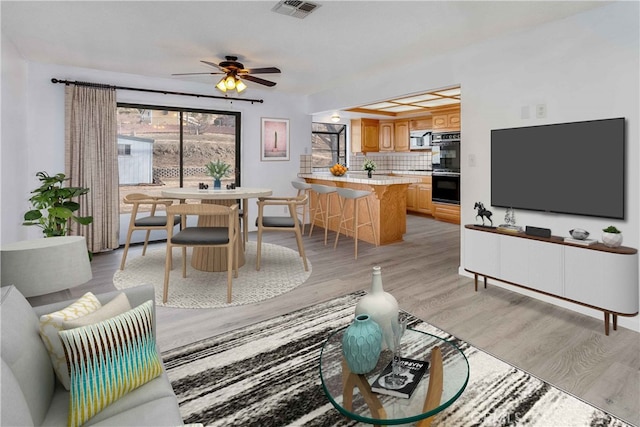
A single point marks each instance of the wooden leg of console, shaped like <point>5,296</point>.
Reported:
<point>606,323</point>
<point>615,322</point>
<point>434,392</point>
<point>475,280</point>
<point>349,382</point>
<point>485,282</point>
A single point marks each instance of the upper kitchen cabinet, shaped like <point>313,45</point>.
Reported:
<point>401,133</point>
<point>420,123</point>
<point>446,120</point>
<point>386,136</point>
<point>364,135</point>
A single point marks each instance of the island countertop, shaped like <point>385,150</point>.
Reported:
<point>361,178</point>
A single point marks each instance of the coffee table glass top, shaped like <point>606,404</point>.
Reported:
<point>415,345</point>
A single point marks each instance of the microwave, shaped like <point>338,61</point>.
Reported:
<point>420,140</point>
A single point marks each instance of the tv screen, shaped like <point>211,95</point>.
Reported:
<point>571,168</point>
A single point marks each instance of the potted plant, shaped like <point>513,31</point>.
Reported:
<point>611,236</point>
<point>56,202</point>
<point>369,166</point>
<point>217,170</point>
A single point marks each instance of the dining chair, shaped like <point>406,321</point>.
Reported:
<point>204,237</point>
<point>145,203</point>
<point>302,188</point>
<point>281,223</point>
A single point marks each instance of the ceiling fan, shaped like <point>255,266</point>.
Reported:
<point>235,72</point>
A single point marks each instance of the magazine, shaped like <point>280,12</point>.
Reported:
<point>411,372</point>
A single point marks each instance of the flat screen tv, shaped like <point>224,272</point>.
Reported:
<point>570,168</point>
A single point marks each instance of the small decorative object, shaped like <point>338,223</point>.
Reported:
<point>57,203</point>
<point>338,169</point>
<point>361,344</point>
<point>217,170</point>
<point>369,166</point>
<point>202,186</point>
<point>611,237</point>
<point>483,213</point>
<point>231,186</point>
<point>396,379</point>
<point>579,233</point>
<point>381,306</point>
<point>510,222</point>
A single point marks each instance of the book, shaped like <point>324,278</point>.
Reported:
<point>411,373</point>
<point>584,242</point>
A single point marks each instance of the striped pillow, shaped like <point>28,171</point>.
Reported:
<point>109,359</point>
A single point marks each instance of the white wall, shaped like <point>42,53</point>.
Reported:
<point>583,67</point>
<point>42,115</point>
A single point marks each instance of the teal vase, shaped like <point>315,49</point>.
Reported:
<point>361,344</point>
<point>217,185</point>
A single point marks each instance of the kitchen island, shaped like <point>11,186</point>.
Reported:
<point>388,200</point>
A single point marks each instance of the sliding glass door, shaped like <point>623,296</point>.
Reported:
<point>165,147</point>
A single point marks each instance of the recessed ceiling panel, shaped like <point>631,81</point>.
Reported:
<point>439,102</point>
<point>449,92</point>
<point>402,108</point>
<point>418,98</point>
<point>378,106</point>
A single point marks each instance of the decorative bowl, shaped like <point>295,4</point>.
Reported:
<point>579,233</point>
<point>338,169</point>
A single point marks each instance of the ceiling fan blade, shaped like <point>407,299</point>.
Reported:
<point>265,70</point>
<point>193,74</point>
<point>257,80</point>
<point>214,65</point>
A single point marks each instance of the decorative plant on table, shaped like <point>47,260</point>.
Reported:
<point>369,166</point>
<point>217,170</point>
<point>56,202</point>
<point>611,236</point>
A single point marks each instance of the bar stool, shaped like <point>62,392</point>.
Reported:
<point>346,194</point>
<point>303,188</point>
<point>324,215</point>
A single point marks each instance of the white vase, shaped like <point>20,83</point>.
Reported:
<point>381,306</point>
<point>612,240</point>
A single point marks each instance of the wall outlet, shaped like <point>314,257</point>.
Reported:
<point>541,111</point>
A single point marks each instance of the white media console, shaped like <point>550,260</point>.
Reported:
<point>594,276</point>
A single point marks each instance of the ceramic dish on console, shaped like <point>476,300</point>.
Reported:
<point>579,233</point>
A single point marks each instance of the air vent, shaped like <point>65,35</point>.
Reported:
<point>295,8</point>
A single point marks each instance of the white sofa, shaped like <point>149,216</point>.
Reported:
<point>32,396</point>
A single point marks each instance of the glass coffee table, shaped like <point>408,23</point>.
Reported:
<point>351,393</point>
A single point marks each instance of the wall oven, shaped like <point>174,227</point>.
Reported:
<point>445,159</point>
<point>445,187</point>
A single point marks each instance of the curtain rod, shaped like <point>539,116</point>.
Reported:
<point>164,92</point>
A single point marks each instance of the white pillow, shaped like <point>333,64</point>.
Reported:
<point>51,324</point>
<point>117,305</point>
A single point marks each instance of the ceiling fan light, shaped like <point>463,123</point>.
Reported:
<point>221,86</point>
<point>230,82</point>
<point>240,86</point>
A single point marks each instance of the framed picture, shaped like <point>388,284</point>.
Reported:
<point>274,139</point>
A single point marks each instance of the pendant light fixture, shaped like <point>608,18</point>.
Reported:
<point>335,118</point>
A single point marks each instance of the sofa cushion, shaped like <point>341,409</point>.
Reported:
<point>26,357</point>
<point>109,359</point>
<point>51,324</point>
<point>118,305</point>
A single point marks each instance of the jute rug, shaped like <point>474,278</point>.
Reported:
<point>281,271</point>
<point>267,374</point>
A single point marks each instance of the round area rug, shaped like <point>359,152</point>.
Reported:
<point>281,270</point>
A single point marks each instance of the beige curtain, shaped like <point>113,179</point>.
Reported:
<point>91,161</point>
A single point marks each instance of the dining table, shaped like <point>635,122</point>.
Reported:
<point>215,259</point>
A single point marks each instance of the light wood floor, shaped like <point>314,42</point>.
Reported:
<point>560,346</point>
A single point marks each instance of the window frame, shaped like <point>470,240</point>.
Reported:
<point>340,152</point>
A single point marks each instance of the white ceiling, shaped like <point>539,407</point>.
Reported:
<point>339,40</point>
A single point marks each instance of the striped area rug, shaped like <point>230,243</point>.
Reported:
<point>267,374</point>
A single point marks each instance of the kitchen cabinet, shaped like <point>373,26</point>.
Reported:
<point>420,123</point>
<point>446,120</point>
<point>401,131</point>
<point>419,196</point>
<point>386,136</point>
<point>364,135</point>
<point>446,212</point>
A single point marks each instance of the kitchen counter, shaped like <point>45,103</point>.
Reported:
<point>361,177</point>
<point>388,201</point>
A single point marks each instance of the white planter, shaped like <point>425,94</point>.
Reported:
<point>381,306</point>
<point>613,240</point>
